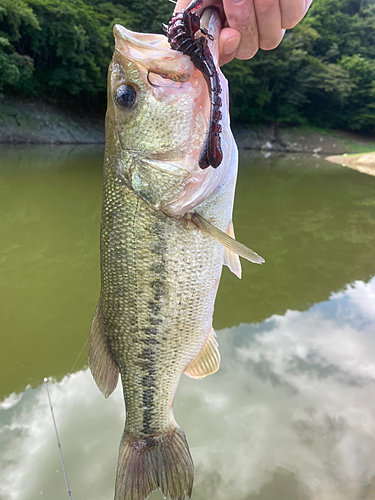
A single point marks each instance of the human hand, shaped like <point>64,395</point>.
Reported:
<point>253,24</point>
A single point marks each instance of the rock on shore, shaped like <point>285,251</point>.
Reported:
<point>301,140</point>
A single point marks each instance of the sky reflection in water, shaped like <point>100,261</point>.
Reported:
<point>289,416</point>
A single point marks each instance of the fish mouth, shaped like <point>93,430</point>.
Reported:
<point>157,47</point>
<point>154,51</point>
<point>145,41</point>
<point>210,20</point>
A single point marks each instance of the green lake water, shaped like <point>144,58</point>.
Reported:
<point>291,413</point>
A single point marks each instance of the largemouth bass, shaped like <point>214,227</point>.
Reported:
<point>166,231</point>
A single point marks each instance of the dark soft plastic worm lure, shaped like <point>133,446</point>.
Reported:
<point>181,32</point>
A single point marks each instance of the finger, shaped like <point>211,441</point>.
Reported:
<point>229,41</point>
<point>240,16</point>
<point>292,11</point>
<point>268,18</point>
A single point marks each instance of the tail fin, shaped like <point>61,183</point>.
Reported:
<point>159,461</point>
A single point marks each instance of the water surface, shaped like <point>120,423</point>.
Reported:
<point>289,416</point>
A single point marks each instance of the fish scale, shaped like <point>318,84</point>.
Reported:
<point>165,307</point>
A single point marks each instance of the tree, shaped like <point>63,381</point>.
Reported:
<point>323,73</point>
<point>14,65</point>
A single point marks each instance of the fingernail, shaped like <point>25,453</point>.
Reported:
<point>231,45</point>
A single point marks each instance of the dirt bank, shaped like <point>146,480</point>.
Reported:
<point>32,121</point>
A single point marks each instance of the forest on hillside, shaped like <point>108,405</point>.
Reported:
<point>322,74</point>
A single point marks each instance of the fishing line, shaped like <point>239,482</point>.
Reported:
<point>71,370</point>
<point>79,355</point>
<point>58,440</point>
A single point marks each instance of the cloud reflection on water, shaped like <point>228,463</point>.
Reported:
<point>289,416</point>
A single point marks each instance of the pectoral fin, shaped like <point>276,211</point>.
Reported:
<point>231,259</point>
<point>207,361</point>
<point>228,242</point>
<point>103,368</point>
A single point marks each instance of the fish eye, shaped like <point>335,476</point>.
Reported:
<point>125,96</point>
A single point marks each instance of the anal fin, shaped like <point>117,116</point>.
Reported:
<point>103,368</point>
<point>231,259</point>
<point>207,361</point>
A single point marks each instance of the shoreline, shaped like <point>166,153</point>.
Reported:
<point>30,121</point>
